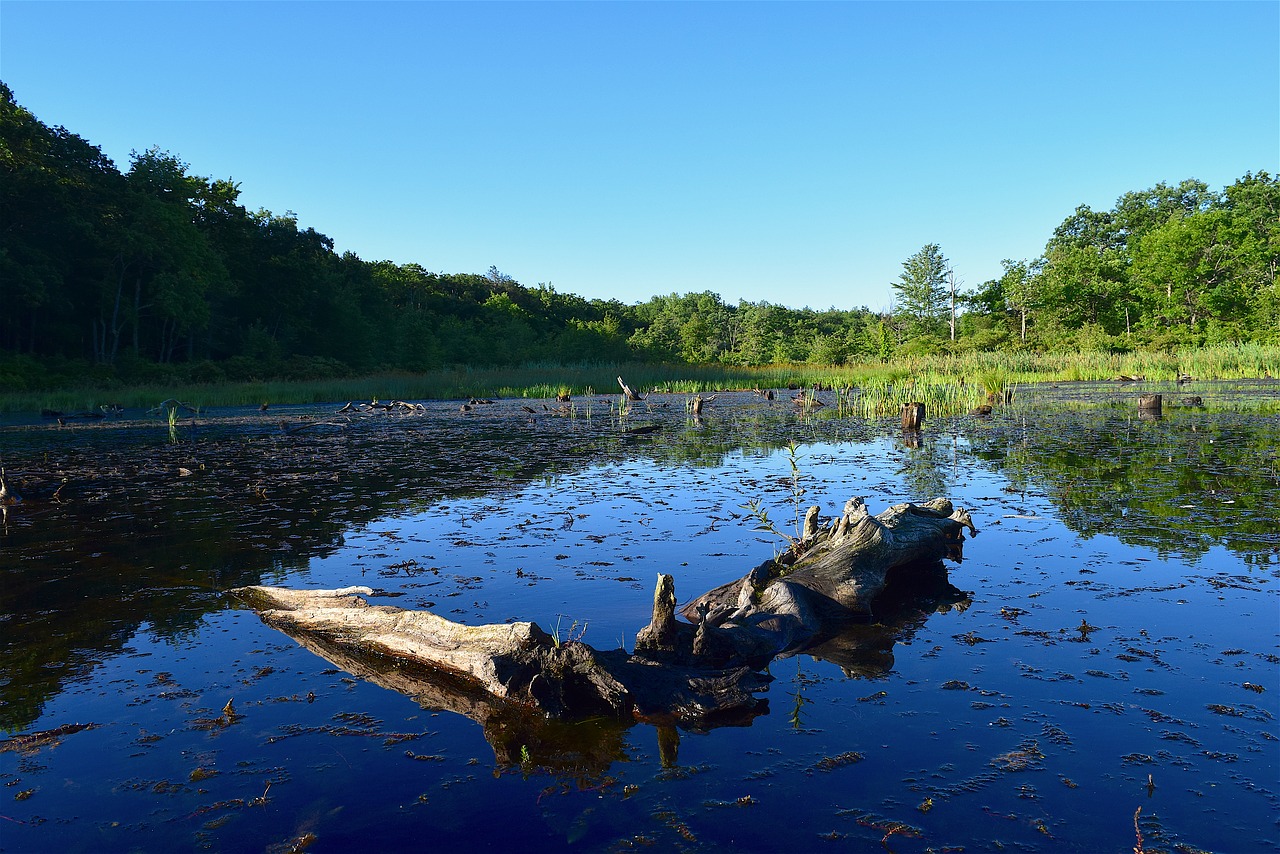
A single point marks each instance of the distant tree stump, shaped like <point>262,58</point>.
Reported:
<point>1149,405</point>
<point>913,416</point>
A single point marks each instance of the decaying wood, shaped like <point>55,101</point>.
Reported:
<point>628,391</point>
<point>832,576</point>
<point>1151,402</point>
<point>912,416</point>
<point>695,406</point>
<point>508,665</point>
<point>691,673</point>
<point>7,495</point>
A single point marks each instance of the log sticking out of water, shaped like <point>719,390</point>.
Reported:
<point>7,495</point>
<point>679,672</point>
<point>628,391</point>
<point>912,416</point>
<point>515,665</point>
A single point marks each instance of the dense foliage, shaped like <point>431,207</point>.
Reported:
<point>155,273</point>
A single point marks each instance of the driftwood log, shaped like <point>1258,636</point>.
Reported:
<point>695,674</point>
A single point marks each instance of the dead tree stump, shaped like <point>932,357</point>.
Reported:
<point>913,416</point>
<point>660,634</point>
<point>1150,405</point>
<point>628,391</point>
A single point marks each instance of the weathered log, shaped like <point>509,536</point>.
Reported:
<point>695,406</point>
<point>627,390</point>
<point>835,575</point>
<point>7,495</point>
<point>515,664</point>
<point>687,673</point>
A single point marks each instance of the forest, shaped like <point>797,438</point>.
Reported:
<point>155,273</point>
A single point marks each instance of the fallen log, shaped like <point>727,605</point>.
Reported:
<point>516,665</point>
<point>830,576</point>
<point>695,674</point>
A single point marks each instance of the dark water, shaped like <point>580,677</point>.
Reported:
<point>1116,647</point>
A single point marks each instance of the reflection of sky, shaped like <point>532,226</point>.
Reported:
<point>590,545</point>
<point>1096,712</point>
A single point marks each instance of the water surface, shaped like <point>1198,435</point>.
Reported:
<point>1113,645</point>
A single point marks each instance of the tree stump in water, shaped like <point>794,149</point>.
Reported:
<point>1150,405</point>
<point>680,671</point>
<point>627,390</point>
<point>912,416</point>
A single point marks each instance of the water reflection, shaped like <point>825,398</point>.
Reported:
<point>1181,484</point>
<point>119,529</point>
<point>1010,721</point>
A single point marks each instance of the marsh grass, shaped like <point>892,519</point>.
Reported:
<point>941,395</point>
<point>935,379</point>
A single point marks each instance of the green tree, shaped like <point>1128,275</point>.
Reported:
<point>1020,286</point>
<point>922,291</point>
<point>1183,269</point>
<point>1084,278</point>
<point>57,192</point>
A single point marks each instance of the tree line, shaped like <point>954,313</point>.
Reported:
<point>156,272</point>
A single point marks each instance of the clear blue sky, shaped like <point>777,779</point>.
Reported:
<point>789,152</point>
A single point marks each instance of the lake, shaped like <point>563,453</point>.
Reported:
<point>1105,677</point>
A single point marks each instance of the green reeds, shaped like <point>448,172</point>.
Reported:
<point>941,396</point>
<point>930,375</point>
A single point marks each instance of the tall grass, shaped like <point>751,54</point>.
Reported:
<point>946,380</point>
<point>940,394</point>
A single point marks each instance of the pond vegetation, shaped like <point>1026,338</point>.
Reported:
<point>956,383</point>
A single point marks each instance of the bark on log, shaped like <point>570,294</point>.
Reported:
<point>695,674</point>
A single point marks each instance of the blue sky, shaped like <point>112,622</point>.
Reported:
<point>789,152</point>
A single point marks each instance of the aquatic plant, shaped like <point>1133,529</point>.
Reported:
<point>547,380</point>
<point>941,396</point>
<point>574,634</point>
<point>755,507</point>
<point>993,380</point>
